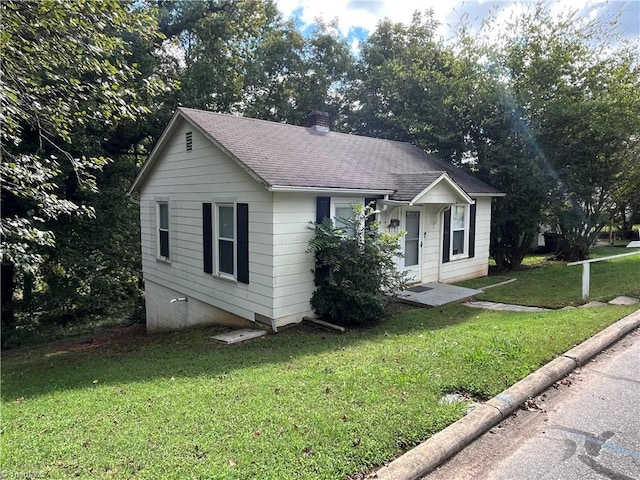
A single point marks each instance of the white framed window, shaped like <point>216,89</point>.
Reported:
<point>459,231</point>
<point>342,209</point>
<point>343,213</point>
<point>163,230</point>
<point>225,234</point>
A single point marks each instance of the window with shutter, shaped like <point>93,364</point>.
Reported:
<point>207,237</point>
<point>226,240</point>
<point>459,232</point>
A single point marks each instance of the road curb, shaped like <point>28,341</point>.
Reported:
<point>427,456</point>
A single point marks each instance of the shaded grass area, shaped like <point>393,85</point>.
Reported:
<point>551,284</point>
<point>30,332</point>
<point>300,404</point>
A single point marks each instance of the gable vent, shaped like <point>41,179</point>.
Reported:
<point>189,140</point>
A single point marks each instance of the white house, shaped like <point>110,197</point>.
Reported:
<point>225,203</point>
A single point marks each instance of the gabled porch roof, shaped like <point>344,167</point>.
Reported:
<point>428,188</point>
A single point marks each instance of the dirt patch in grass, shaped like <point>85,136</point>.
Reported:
<point>123,338</point>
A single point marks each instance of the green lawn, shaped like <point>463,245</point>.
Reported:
<point>299,404</point>
<point>550,284</point>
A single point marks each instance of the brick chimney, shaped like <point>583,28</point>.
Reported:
<point>319,121</point>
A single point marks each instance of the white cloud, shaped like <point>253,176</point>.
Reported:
<point>360,13</point>
<point>367,13</point>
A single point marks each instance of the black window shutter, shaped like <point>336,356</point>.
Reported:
<point>472,231</point>
<point>323,208</point>
<point>207,238</point>
<point>369,202</point>
<point>446,237</point>
<point>242,218</point>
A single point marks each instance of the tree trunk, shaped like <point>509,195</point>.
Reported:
<point>572,252</point>
<point>7,288</point>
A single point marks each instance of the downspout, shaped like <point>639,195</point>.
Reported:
<point>385,205</point>
<point>134,197</point>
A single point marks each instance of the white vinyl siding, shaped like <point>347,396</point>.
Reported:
<point>433,270</point>
<point>293,265</point>
<point>206,174</point>
<point>478,265</point>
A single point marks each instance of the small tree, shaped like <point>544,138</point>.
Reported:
<point>355,269</point>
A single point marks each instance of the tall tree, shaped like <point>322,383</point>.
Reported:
<point>404,88</point>
<point>292,75</point>
<point>242,57</point>
<point>579,92</point>
<point>66,72</point>
<point>215,42</point>
<point>500,148</point>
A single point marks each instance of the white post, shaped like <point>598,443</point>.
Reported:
<point>586,270</point>
<point>586,273</point>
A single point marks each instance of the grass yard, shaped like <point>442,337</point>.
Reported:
<point>299,404</point>
<point>550,284</point>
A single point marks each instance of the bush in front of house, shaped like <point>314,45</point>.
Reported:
<point>355,269</point>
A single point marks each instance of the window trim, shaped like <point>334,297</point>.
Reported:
<point>339,202</point>
<point>159,256</point>
<point>217,238</point>
<point>465,238</point>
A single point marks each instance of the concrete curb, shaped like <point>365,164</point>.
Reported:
<point>427,456</point>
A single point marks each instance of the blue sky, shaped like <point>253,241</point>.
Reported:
<point>358,17</point>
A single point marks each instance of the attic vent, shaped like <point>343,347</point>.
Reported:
<point>189,140</point>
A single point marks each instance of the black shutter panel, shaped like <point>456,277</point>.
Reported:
<point>242,218</point>
<point>472,231</point>
<point>323,208</point>
<point>207,238</point>
<point>369,202</point>
<point>446,237</point>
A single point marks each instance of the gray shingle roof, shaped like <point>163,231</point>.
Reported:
<point>409,185</point>
<point>292,156</point>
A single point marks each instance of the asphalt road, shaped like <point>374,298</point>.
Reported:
<point>585,427</point>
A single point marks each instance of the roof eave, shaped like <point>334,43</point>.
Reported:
<point>487,194</point>
<point>328,190</point>
<point>146,166</point>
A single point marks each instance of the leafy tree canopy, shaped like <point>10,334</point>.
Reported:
<point>66,65</point>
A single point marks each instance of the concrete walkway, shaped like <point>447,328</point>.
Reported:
<point>504,306</point>
<point>523,308</point>
<point>427,456</point>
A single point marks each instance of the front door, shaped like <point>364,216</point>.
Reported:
<point>412,245</point>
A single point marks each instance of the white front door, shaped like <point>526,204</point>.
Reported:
<point>412,245</point>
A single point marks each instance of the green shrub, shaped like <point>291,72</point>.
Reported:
<point>355,269</point>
